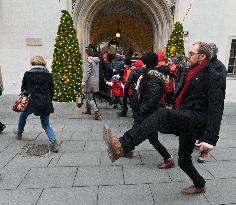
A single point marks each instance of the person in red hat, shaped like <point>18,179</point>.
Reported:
<point>169,87</point>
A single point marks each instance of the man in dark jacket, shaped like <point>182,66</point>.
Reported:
<point>221,69</point>
<point>199,105</point>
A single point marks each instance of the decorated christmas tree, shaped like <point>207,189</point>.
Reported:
<point>67,63</point>
<point>175,44</point>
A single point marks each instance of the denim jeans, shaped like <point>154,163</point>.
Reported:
<point>44,122</point>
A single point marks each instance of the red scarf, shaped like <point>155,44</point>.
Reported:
<point>191,74</point>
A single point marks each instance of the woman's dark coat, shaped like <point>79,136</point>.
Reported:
<point>151,92</point>
<point>39,84</point>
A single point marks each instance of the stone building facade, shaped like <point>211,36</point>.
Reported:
<point>29,27</point>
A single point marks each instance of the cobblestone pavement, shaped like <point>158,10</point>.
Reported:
<point>82,174</point>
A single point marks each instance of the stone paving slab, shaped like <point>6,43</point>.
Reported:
<point>224,154</point>
<point>19,197</point>
<point>80,159</point>
<point>177,175</point>
<point>49,177</point>
<point>170,194</point>
<point>30,162</point>
<point>221,191</point>
<point>81,173</point>
<point>125,195</point>
<point>5,158</point>
<point>222,169</point>
<point>72,146</point>
<point>12,177</point>
<point>144,174</point>
<point>100,175</point>
<point>92,145</point>
<point>69,196</point>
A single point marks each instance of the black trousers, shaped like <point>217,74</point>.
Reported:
<point>153,139</point>
<point>185,124</point>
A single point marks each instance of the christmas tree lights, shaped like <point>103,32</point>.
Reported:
<point>175,44</point>
<point>67,63</point>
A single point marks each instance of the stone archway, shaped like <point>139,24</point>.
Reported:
<point>157,16</point>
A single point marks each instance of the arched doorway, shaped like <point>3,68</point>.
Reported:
<point>144,24</point>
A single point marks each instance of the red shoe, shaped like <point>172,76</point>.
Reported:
<point>167,164</point>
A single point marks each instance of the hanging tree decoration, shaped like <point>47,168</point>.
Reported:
<point>67,62</point>
<point>175,43</point>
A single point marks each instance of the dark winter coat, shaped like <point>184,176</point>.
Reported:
<point>218,66</point>
<point>151,92</point>
<point>131,84</point>
<point>39,84</point>
<point>180,75</point>
<point>118,64</point>
<point>205,98</point>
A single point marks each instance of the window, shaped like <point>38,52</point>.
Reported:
<point>232,57</point>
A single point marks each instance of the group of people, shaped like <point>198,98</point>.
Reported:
<point>198,105</point>
<point>197,96</point>
<point>115,80</point>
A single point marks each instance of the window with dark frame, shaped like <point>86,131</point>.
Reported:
<point>232,57</point>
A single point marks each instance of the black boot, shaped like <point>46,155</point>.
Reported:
<point>123,113</point>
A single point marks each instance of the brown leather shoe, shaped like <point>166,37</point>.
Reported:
<point>87,111</point>
<point>167,164</point>
<point>193,190</point>
<point>115,150</point>
<point>97,115</point>
<point>203,156</point>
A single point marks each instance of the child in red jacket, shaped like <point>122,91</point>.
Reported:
<point>117,90</point>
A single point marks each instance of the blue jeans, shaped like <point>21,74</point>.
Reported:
<point>44,122</point>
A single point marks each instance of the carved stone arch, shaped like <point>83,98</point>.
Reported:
<point>157,11</point>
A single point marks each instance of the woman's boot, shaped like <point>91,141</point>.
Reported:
<point>97,115</point>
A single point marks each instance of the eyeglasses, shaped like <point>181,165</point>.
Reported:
<point>191,53</point>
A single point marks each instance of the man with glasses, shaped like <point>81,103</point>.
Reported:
<point>197,112</point>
